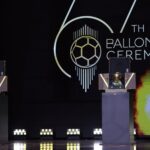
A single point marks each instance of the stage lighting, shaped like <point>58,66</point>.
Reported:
<point>97,131</point>
<point>46,132</point>
<point>20,146</point>
<point>20,132</point>
<point>73,131</point>
<point>97,146</point>
<point>134,147</point>
<point>134,132</point>
<point>46,146</point>
<point>73,146</point>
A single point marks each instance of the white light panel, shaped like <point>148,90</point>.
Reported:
<point>73,131</point>
<point>20,132</point>
<point>46,146</point>
<point>46,132</point>
<point>97,131</point>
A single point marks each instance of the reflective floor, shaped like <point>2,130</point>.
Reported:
<point>71,145</point>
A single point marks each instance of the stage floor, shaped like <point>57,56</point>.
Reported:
<point>71,145</point>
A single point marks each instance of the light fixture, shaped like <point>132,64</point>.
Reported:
<point>20,146</point>
<point>46,132</point>
<point>73,146</point>
<point>20,132</point>
<point>134,147</point>
<point>97,131</point>
<point>46,146</point>
<point>134,132</point>
<point>73,131</point>
<point>97,146</point>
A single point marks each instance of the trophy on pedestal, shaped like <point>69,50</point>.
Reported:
<point>117,112</point>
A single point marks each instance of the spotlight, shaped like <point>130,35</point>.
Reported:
<point>20,146</point>
<point>97,146</point>
<point>97,131</point>
<point>134,147</point>
<point>73,131</point>
<point>46,146</point>
<point>20,132</point>
<point>73,146</point>
<point>134,132</point>
<point>46,132</point>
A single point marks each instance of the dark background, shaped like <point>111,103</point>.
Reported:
<point>40,96</point>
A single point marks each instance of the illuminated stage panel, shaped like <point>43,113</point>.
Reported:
<point>46,146</point>
<point>73,146</point>
<point>143,105</point>
<point>20,146</point>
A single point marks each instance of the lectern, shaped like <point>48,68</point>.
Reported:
<point>117,118</point>
<point>3,104</point>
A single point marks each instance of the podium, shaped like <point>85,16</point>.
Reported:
<point>3,118</point>
<point>117,117</point>
<point>3,104</point>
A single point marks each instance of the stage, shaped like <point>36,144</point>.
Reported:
<point>75,75</point>
<point>71,145</point>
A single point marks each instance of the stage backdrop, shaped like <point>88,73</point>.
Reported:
<point>91,32</point>
<point>58,48</point>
